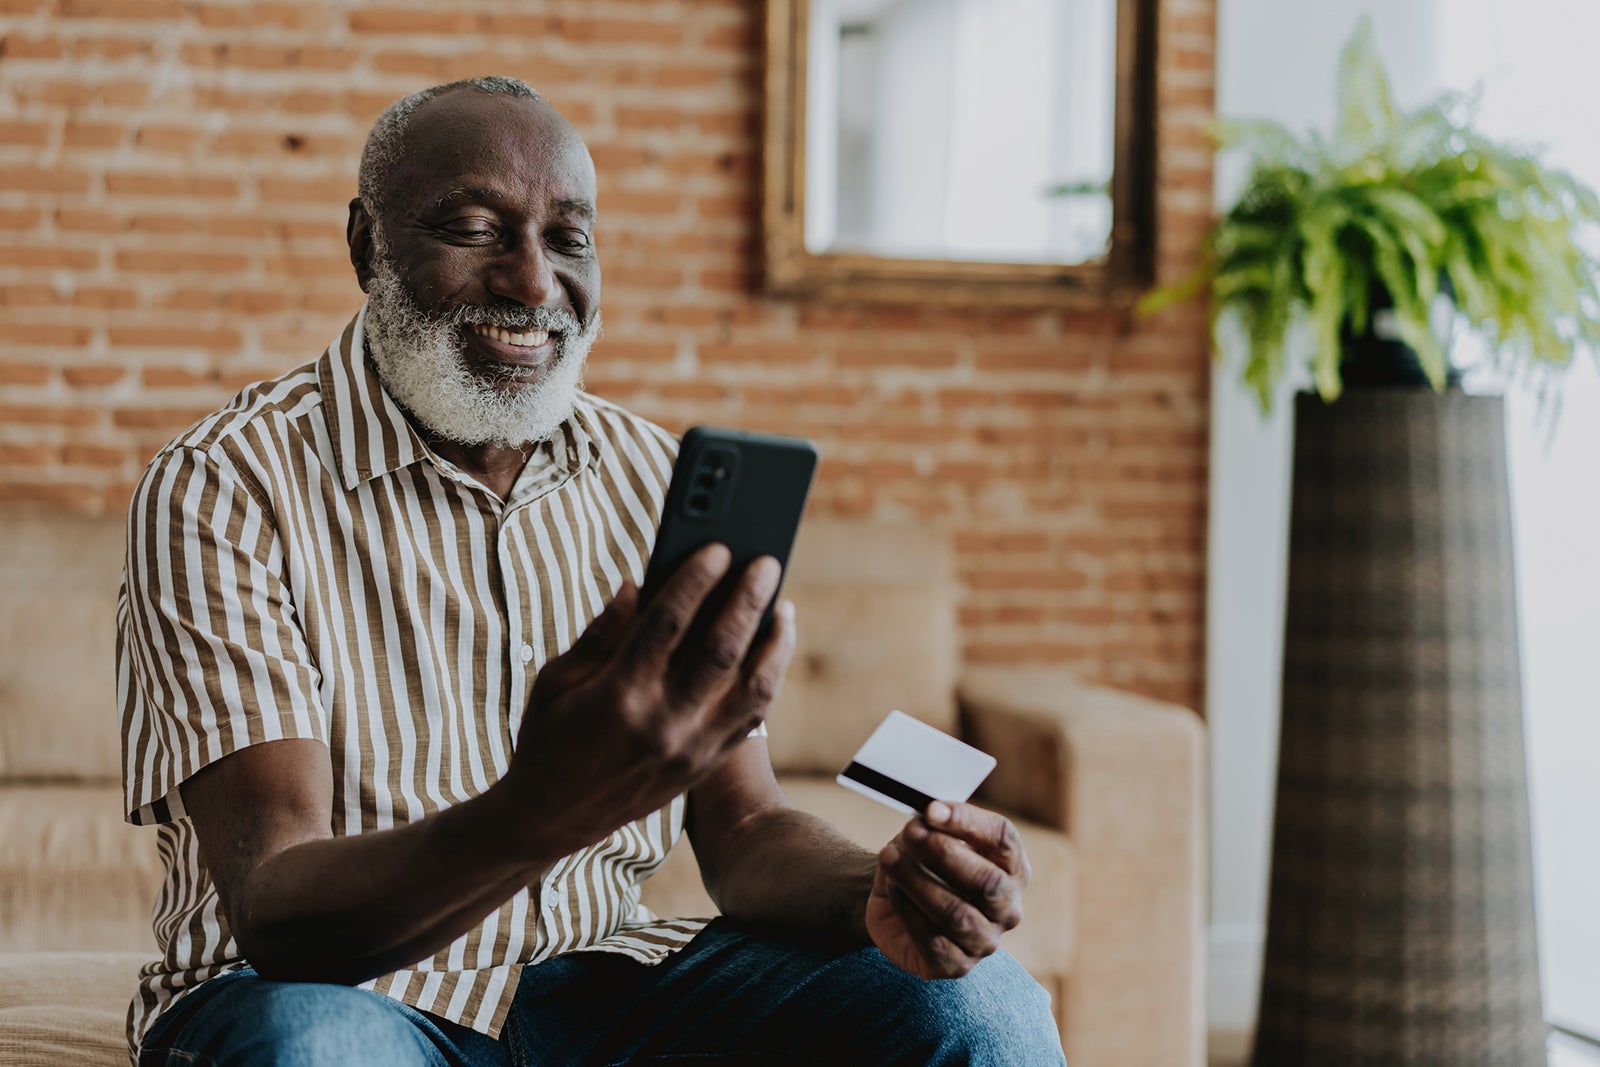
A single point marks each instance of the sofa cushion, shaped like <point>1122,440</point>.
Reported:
<point>1042,944</point>
<point>875,610</point>
<point>58,598</point>
<point>73,875</point>
<point>66,1008</point>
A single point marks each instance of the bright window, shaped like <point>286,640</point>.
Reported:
<point>1535,59</point>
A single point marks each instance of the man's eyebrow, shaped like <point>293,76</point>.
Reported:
<point>578,207</point>
<point>473,192</point>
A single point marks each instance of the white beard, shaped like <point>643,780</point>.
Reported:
<point>421,360</point>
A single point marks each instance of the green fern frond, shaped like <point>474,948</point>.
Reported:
<point>1405,201</point>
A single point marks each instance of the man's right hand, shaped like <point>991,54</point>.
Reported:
<point>637,711</point>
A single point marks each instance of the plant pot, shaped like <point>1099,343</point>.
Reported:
<point>1378,358</point>
<point>1401,916</point>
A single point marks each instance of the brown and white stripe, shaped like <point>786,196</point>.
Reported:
<point>301,565</point>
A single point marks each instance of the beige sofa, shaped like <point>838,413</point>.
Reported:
<point>1106,786</point>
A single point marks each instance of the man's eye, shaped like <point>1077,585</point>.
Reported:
<point>570,242</point>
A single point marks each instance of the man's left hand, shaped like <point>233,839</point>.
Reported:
<point>946,888</point>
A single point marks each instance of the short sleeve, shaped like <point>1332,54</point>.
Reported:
<point>211,657</point>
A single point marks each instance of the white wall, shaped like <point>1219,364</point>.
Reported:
<point>1274,60</point>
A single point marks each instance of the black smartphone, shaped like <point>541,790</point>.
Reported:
<point>745,490</point>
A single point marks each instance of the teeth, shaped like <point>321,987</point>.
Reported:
<point>531,339</point>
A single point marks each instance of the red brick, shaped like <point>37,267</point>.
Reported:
<point>614,31</point>
<point>14,46</point>
<point>175,336</point>
<point>770,353</point>
<point>180,139</point>
<point>121,9</point>
<point>175,377</point>
<point>413,20</point>
<point>649,119</point>
<point>62,497</point>
<point>19,218</point>
<point>168,420</point>
<point>88,220</point>
<point>82,134</point>
<point>247,13</point>
<point>735,37</point>
<point>167,183</point>
<point>18,455</point>
<point>922,356</point>
<point>151,222</point>
<point>326,191</point>
<point>616,350</point>
<point>34,134</point>
<point>93,456</point>
<point>46,334</point>
<point>706,391</point>
<point>104,297</point>
<point>111,48</point>
<point>18,296</point>
<point>48,415</point>
<point>25,179</point>
<point>93,375</point>
<point>640,203</point>
<point>257,56</point>
<point>161,261</point>
<point>311,101</point>
<point>24,373</point>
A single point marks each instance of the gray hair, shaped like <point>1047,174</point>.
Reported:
<point>386,141</point>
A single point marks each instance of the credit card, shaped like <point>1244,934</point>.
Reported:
<point>907,765</point>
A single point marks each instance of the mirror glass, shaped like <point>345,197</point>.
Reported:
<point>960,129</point>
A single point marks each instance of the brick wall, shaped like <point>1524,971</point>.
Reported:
<point>173,181</point>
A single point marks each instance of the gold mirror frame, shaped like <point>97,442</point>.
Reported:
<point>1113,281</point>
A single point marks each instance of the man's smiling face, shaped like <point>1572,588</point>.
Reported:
<point>482,280</point>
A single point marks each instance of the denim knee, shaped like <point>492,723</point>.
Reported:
<point>995,1016</point>
<point>298,1024</point>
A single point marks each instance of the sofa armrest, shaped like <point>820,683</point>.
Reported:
<point>1123,776</point>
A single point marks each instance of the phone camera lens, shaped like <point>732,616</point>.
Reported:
<point>699,504</point>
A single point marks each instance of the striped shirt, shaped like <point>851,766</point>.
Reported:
<point>301,565</point>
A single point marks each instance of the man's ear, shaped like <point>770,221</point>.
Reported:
<point>358,232</point>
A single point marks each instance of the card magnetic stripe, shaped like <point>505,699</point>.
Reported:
<point>914,799</point>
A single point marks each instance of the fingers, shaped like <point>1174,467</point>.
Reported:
<point>942,955</point>
<point>964,875</point>
<point>711,665</point>
<point>991,835</point>
<point>664,621</point>
<point>745,706</point>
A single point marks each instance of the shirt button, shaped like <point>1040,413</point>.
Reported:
<point>527,653</point>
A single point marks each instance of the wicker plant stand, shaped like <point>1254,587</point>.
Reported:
<point>1401,923</point>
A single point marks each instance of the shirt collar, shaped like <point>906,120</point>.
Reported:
<point>372,437</point>
<point>369,432</point>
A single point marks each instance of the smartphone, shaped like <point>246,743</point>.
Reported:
<point>745,490</point>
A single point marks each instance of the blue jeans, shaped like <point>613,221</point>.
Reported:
<point>731,997</point>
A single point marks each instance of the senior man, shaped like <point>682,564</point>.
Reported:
<point>408,775</point>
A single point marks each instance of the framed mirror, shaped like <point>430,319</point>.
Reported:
<point>965,152</point>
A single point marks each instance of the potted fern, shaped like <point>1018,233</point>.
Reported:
<point>1356,236</point>
<point>1400,926</point>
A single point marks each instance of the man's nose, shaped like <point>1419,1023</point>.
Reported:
<point>524,274</point>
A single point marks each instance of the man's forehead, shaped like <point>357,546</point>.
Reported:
<point>490,145</point>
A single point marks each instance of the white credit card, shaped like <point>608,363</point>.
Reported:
<point>907,765</point>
